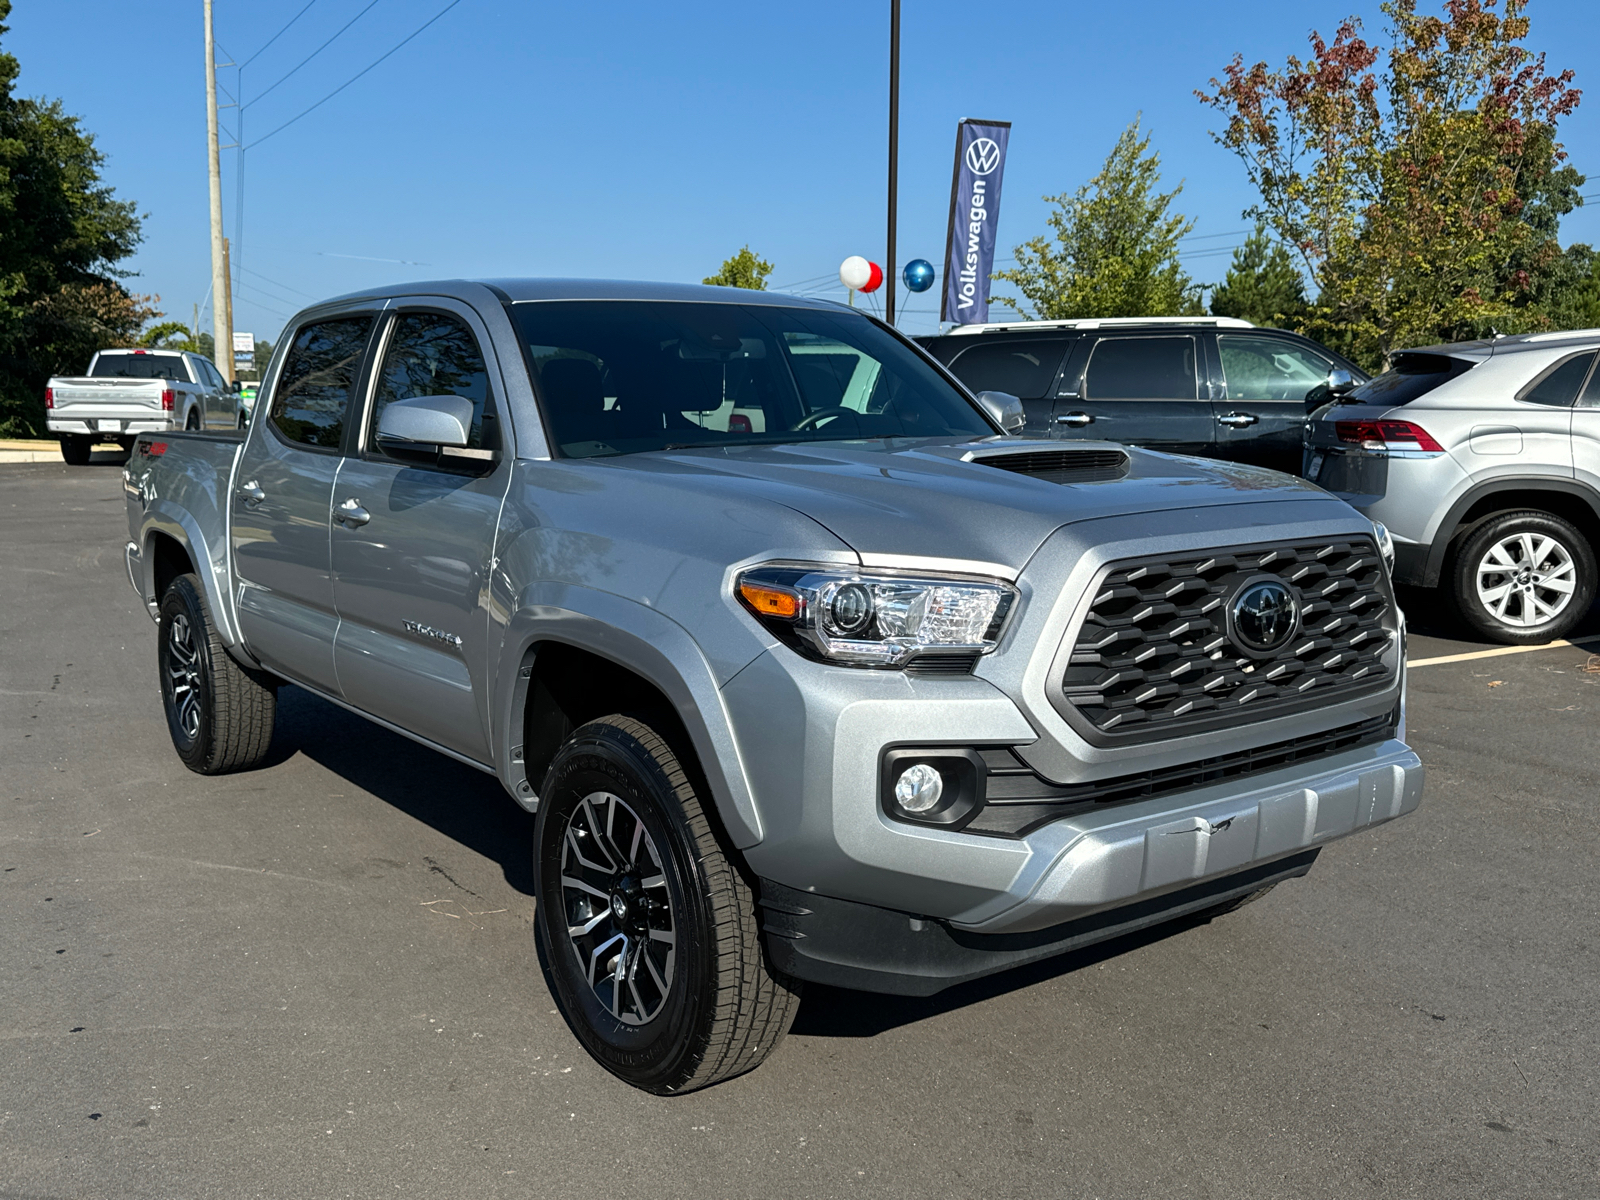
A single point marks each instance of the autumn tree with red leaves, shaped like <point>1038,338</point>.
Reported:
<point>1420,182</point>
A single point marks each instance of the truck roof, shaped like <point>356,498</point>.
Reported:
<point>524,289</point>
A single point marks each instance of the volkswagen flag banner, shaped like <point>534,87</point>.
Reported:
<point>974,213</point>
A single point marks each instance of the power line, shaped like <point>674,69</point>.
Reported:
<point>357,75</point>
<point>276,283</point>
<point>1202,237</point>
<point>319,49</point>
<point>258,290</point>
<point>277,35</point>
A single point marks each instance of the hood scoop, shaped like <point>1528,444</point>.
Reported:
<point>1061,466</point>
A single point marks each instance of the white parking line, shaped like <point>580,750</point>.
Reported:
<point>1497,652</point>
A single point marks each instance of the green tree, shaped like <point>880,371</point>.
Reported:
<point>1115,249</point>
<point>62,231</point>
<point>744,270</point>
<point>1262,285</point>
<point>1420,182</point>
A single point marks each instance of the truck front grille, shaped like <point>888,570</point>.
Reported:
<point>1155,658</point>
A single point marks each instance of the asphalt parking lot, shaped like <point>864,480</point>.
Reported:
<point>318,979</point>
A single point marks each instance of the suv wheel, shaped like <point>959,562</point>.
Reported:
<point>219,714</point>
<point>1524,578</point>
<point>649,932</point>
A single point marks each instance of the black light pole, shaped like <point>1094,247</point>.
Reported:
<point>894,147</point>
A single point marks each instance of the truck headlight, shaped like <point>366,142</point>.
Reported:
<point>876,619</point>
<point>1385,540</point>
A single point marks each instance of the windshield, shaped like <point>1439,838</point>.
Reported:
<point>626,376</point>
<point>1408,376</point>
<point>128,365</point>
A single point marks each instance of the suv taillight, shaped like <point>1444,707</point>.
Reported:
<point>49,397</point>
<point>1378,435</point>
<point>169,400</point>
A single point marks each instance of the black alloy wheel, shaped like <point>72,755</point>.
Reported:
<point>220,714</point>
<point>648,931</point>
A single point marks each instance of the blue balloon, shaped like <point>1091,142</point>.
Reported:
<point>918,275</point>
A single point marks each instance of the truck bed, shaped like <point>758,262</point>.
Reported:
<point>177,484</point>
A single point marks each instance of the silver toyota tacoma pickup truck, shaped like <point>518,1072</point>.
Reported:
<point>807,668</point>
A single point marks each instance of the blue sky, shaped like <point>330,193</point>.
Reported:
<point>650,141</point>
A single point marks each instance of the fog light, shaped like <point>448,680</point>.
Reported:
<point>919,788</point>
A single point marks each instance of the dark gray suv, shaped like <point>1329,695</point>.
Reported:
<point>1212,386</point>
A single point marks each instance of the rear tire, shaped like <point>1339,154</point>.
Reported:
<point>1524,578</point>
<point>75,449</point>
<point>650,933</point>
<point>192,421</point>
<point>220,714</point>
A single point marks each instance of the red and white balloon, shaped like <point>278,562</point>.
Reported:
<point>859,275</point>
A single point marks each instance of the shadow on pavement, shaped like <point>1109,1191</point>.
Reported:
<point>462,803</point>
<point>840,1013</point>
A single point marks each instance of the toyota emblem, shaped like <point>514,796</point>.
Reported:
<point>1264,616</point>
<point>983,155</point>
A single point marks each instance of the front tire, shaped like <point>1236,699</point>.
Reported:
<point>1524,578</point>
<point>650,934</point>
<point>75,449</point>
<point>219,714</point>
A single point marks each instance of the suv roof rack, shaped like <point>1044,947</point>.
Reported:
<point>1104,323</point>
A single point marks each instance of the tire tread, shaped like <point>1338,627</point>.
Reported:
<point>244,702</point>
<point>753,1006</point>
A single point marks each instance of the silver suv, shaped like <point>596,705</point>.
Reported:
<point>1483,460</point>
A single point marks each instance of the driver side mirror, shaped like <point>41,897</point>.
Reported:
<point>426,422</point>
<point>1340,382</point>
<point>1004,409</point>
<point>237,386</point>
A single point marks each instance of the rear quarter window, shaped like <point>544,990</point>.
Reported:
<point>1558,386</point>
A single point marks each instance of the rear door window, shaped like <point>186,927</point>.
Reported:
<point>1025,368</point>
<point>1155,368</point>
<point>318,378</point>
<point>1559,386</point>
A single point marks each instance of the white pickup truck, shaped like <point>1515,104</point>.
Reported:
<point>129,392</point>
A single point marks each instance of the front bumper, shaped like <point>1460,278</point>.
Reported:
<point>842,944</point>
<point>1096,877</point>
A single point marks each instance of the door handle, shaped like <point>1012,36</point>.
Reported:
<point>252,492</point>
<point>1238,420</point>
<point>351,513</point>
<point>1077,419</point>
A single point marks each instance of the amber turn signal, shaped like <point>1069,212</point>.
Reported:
<point>768,601</point>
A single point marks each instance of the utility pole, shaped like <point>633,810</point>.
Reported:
<point>221,292</point>
<point>894,150</point>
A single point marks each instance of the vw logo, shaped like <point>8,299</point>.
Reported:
<point>983,155</point>
<point>1264,616</point>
